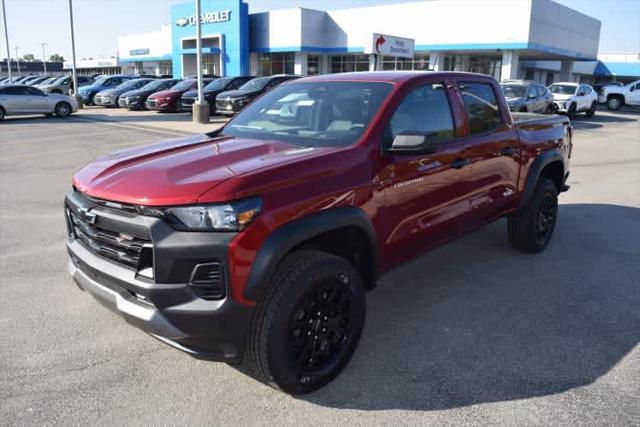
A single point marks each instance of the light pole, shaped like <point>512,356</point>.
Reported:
<point>73,55</point>
<point>17,60</point>
<point>44,58</point>
<point>200,108</point>
<point>6,37</point>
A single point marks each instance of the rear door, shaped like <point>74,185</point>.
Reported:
<point>494,149</point>
<point>426,196</point>
<point>39,103</point>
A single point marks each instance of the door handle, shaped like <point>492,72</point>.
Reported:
<point>460,163</point>
<point>508,151</point>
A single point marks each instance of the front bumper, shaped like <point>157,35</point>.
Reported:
<point>105,101</point>
<point>561,106</point>
<point>166,307</point>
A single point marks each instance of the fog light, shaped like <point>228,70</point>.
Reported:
<point>207,281</point>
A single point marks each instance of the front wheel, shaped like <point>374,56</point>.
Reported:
<point>63,109</point>
<point>530,229</point>
<point>592,110</point>
<point>571,112</point>
<point>2,114</point>
<point>614,103</point>
<point>549,109</point>
<point>308,324</point>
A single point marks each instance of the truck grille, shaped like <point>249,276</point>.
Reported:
<point>131,251</point>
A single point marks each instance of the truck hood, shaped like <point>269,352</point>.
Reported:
<point>178,172</point>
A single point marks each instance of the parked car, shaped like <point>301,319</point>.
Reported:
<point>20,79</point>
<point>47,81</point>
<point>65,83</point>
<point>37,80</point>
<point>524,96</point>
<point>232,101</point>
<point>136,99</point>
<point>18,99</point>
<point>256,242</point>
<point>102,83</point>
<point>599,86</point>
<point>572,98</point>
<point>212,90</point>
<point>169,100</point>
<point>617,96</point>
<point>110,97</point>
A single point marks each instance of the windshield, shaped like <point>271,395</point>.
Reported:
<point>60,80</point>
<point>563,89</point>
<point>154,84</point>
<point>255,84</point>
<point>101,81</point>
<point>183,85</point>
<point>318,114</point>
<point>218,84</point>
<point>514,91</point>
<point>129,84</point>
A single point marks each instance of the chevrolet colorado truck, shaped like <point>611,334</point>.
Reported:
<point>254,244</point>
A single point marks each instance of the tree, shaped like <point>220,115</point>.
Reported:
<point>56,58</point>
<point>28,57</point>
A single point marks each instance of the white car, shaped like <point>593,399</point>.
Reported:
<point>571,98</point>
<point>617,96</point>
<point>21,99</point>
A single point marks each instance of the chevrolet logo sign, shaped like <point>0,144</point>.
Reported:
<point>182,22</point>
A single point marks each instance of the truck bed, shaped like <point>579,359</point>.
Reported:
<point>522,120</point>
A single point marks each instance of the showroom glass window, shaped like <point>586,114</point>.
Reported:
<point>276,63</point>
<point>313,65</point>
<point>349,63</point>
<point>419,62</point>
<point>481,105</point>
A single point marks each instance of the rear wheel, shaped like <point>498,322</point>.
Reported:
<point>63,109</point>
<point>592,110</point>
<point>614,103</point>
<point>308,324</point>
<point>530,229</point>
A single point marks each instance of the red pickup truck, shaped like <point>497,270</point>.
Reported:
<point>255,243</point>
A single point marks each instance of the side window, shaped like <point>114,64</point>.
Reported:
<point>33,91</point>
<point>541,91</point>
<point>16,90</point>
<point>532,92</point>
<point>481,106</point>
<point>424,110</point>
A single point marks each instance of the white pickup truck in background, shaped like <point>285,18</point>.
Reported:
<point>618,96</point>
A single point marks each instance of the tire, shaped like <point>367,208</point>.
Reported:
<point>592,110</point>
<point>287,334</point>
<point>614,103</point>
<point>530,230</point>
<point>571,112</point>
<point>63,109</point>
<point>2,114</point>
<point>522,110</point>
<point>549,109</point>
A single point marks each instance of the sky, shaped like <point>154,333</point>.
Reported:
<point>99,22</point>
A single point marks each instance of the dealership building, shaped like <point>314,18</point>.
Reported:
<point>534,39</point>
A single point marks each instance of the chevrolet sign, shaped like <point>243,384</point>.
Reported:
<point>205,18</point>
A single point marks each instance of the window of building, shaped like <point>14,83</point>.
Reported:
<point>425,110</point>
<point>275,63</point>
<point>419,62</point>
<point>481,106</point>
<point>313,65</point>
<point>348,63</point>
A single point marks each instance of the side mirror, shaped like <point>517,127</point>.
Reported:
<point>411,143</point>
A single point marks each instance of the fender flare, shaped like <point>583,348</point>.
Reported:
<point>535,170</point>
<point>286,237</point>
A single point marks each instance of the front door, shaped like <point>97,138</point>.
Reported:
<point>426,196</point>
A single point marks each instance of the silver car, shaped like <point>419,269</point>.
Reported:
<point>22,99</point>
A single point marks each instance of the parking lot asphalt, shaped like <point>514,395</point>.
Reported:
<point>470,333</point>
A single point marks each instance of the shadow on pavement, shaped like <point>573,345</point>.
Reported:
<point>475,321</point>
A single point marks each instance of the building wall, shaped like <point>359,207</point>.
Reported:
<point>151,46</point>
<point>276,31</point>
<point>557,29</point>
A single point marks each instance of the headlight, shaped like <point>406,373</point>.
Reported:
<point>233,216</point>
<point>240,100</point>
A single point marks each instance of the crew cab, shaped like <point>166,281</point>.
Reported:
<point>571,98</point>
<point>255,243</point>
<point>617,96</point>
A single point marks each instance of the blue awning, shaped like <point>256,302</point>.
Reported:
<point>626,69</point>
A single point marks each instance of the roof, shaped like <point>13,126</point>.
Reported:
<point>388,76</point>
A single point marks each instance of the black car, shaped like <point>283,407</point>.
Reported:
<point>232,101</point>
<point>525,96</point>
<point>212,90</point>
<point>110,97</point>
<point>135,99</point>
